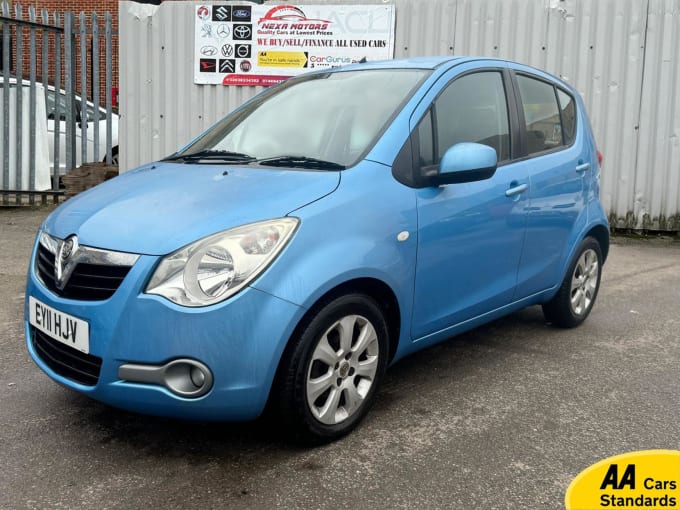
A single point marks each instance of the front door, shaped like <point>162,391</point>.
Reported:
<point>470,235</point>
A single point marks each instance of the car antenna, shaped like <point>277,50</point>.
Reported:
<point>363,60</point>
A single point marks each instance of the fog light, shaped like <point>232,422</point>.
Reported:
<point>187,378</point>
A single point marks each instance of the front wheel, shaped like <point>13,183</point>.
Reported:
<point>576,297</point>
<point>329,378</point>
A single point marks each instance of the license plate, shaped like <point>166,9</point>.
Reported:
<point>64,328</point>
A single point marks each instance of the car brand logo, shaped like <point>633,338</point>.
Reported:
<point>245,66</point>
<point>203,12</point>
<point>65,253</point>
<point>242,32</point>
<point>208,51</point>
<point>206,30</point>
<point>243,50</point>
<point>289,13</point>
<point>207,65</point>
<point>242,14</point>
<point>222,31</point>
<point>227,65</point>
<point>227,50</point>
<point>222,13</point>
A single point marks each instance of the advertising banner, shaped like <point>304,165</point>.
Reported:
<point>266,44</point>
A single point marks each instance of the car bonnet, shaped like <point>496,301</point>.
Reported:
<point>159,208</point>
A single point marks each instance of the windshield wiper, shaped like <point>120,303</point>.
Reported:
<point>300,162</point>
<point>212,155</point>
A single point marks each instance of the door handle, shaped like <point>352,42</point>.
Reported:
<point>516,189</point>
<point>582,167</point>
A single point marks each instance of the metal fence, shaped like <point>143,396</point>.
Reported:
<point>51,120</point>
<point>622,55</point>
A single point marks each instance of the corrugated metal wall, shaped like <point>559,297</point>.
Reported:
<point>622,55</point>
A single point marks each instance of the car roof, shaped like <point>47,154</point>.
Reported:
<point>406,63</point>
<point>432,63</point>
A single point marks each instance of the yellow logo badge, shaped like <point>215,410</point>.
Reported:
<point>645,479</point>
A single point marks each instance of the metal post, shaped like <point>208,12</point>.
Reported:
<point>5,100</point>
<point>109,80</point>
<point>83,88</point>
<point>69,63</point>
<point>32,113</point>
<point>57,102</point>
<point>95,83</point>
<point>19,116</point>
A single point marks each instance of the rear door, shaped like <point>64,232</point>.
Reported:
<point>557,161</point>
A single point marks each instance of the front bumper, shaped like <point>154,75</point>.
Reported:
<point>241,340</point>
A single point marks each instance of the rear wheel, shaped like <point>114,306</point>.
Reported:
<point>576,297</point>
<point>328,381</point>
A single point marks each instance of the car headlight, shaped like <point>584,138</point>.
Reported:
<point>212,269</point>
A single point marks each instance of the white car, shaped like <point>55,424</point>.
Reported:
<point>89,117</point>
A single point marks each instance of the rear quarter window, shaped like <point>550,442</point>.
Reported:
<point>568,112</point>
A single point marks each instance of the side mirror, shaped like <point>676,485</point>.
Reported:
<point>466,162</point>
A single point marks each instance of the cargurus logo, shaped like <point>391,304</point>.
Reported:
<point>331,60</point>
<point>644,479</point>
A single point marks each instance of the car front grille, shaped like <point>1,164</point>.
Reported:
<point>66,361</point>
<point>95,277</point>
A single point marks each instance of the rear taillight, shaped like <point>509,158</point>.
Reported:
<point>599,157</point>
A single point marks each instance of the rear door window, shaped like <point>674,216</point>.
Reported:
<point>541,114</point>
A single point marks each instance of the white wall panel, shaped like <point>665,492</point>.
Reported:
<point>622,55</point>
<point>656,201</point>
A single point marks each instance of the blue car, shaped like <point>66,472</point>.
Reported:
<point>323,230</point>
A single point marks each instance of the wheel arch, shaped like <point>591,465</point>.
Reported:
<point>374,288</point>
<point>601,234</point>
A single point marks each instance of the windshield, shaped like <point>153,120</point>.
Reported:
<point>331,117</point>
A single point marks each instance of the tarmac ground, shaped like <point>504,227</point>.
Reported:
<point>502,417</point>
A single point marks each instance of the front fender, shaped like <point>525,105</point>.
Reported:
<point>352,233</point>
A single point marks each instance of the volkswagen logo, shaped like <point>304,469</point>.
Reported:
<point>242,32</point>
<point>209,51</point>
<point>227,50</point>
<point>222,31</point>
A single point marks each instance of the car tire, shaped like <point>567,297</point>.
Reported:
<point>329,376</point>
<point>114,156</point>
<point>576,296</point>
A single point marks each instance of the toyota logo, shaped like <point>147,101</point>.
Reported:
<point>209,51</point>
<point>242,31</point>
<point>222,31</point>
